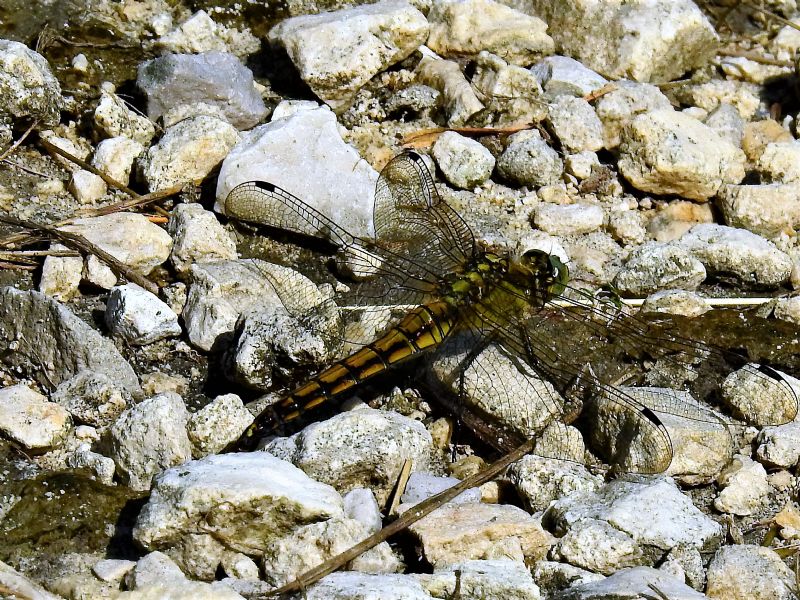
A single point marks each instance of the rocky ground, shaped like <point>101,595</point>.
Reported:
<point>652,146</point>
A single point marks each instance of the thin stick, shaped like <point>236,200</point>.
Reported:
<point>400,487</point>
<point>749,55</point>
<point>408,518</point>
<point>76,241</point>
<point>16,144</point>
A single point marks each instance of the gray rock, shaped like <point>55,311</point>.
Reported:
<point>569,219</point>
<point>745,489</point>
<point>621,105</point>
<point>415,100</point>
<point>112,569</point>
<point>685,562</point>
<point>655,266</point>
<point>631,583</point>
<point>92,397</point>
<point>197,237</point>
<point>422,486</point>
<point>215,78</point>
<point>149,438</point>
<point>727,122</point>
<point>599,547</point>
<point>554,576</point>
<point>113,118</point>
<point>482,580</point>
<point>42,328</point>
<point>188,152</point>
<point>459,99</point>
<point>305,155</point>
<point>657,41</point>
<point>676,302</point>
<point>364,586</point>
<point>742,572</point>
<point>729,252</point>
<point>362,447</point>
<point>338,52</point>
<point>529,161</point>
<point>102,467</point>
<point>779,446</point>
<point>243,501</point>
<point>540,481</point>
<point>28,88</point>
<point>465,163</point>
<point>218,424</point>
<point>468,26</point>
<point>28,419</point>
<point>576,124</point>
<point>668,152</point>
<point>562,75</point>
<point>138,316</point>
<point>767,209</point>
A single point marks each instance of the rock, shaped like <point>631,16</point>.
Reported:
<point>760,134</point>
<point>102,467</point>
<point>244,501</point>
<point>115,157</point>
<point>575,124</point>
<point>182,590</point>
<point>667,152</point>
<point>41,327</point>
<point>482,580</point>
<point>742,68</point>
<point>87,187</point>
<point>457,532</point>
<point>28,419</point>
<point>181,112</point>
<point>636,582</point>
<point>745,393</point>
<point>529,161</point>
<point>115,119</point>
<point>61,275</point>
<point>415,101</point>
<point>626,226</point>
<point>745,489</point>
<point>360,504</point>
<point>311,545</point>
<point>154,568</point>
<point>363,586</point>
<point>28,88</point>
<point>200,33</point>
<point>728,123</point>
<point>553,576</point>
<point>197,237</point>
<point>570,219</point>
<point>240,566</point>
<point>287,152</point>
<point>188,152</point>
<point>540,481</point>
<point>98,274</point>
<point>654,513</point>
<point>512,93</point>
<point>656,266</point>
<point>465,27</point>
<point>744,572</point>
<point>676,302</point>
<point>148,438</point>
<point>218,424</point>
<point>562,75</point>
<point>363,447</point>
<point>599,547</point>
<point>138,316</point>
<point>465,163</point>
<point>112,569</point>
<point>459,99</point>
<point>625,102</point>
<point>779,446</point>
<point>685,562</point>
<point>422,486</point>
<point>371,37</point>
<point>17,585</point>
<point>653,42</point>
<point>92,397</point>
<point>788,309</point>
<point>780,162</point>
<point>767,209</point>
<point>729,252</point>
<point>581,164</point>
<point>129,237</point>
<point>215,78</point>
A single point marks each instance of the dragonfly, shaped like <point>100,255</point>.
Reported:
<point>492,326</point>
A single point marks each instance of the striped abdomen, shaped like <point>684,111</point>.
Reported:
<point>423,328</point>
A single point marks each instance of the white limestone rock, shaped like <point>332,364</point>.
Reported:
<point>362,447</point>
<point>197,237</point>
<point>139,317</point>
<point>654,266</point>
<point>627,226</point>
<point>200,33</point>
<point>512,93</point>
<point>28,88</point>
<point>360,504</point>
<point>101,466</point>
<point>87,187</point>
<point>668,152</point>
<point>148,438</point>
<point>780,162</point>
<point>676,302</point>
<point>305,155</point>
<point>464,162</point>
<point>459,98</point>
<point>635,582</point>
<point>745,572</point>
<point>365,586</point>
<point>482,580</point>
<point>599,547</point>
<point>92,397</point>
<point>529,161</point>
<point>779,446</point>
<point>552,577</point>
<point>568,219</point>
<point>61,275</point>
<point>188,152</point>
<point>540,481</point>
<point>240,566</point>
<point>464,27</point>
<point>576,124</point>
<point>745,488</point>
<point>766,209</point>
<point>422,486</point>
<point>28,419</point>
<point>338,52</point>
<point>562,75</point>
<point>727,122</point>
<point>244,501</point>
<point>112,569</point>
<point>218,424</point>
<point>788,309</point>
<point>154,568</point>
<point>115,157</point>
<point>113,117</point>
<point>624,103</point>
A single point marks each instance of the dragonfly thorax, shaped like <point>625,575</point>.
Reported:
<point>540,275</point>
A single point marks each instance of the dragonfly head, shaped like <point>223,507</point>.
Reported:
<point>547,274</point>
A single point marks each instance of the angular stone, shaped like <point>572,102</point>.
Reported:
<point>28,87</point>
<point>767,209</point>
<point>482,580</point>
<point>655,266</point>
<point>624,103</point>
<point>529,161</point>
<point>115,157</point>
<point>599,547</point>
<point>465,163</point>
<point>28,419</point>
<point>460,101</point>
<point>745,489</point>
<point>570,219</point>
<point>576,124</point>
<point>198,237</point>
<point>218,424</point>
<point>745,572</point>
<point>636,582</point>
<point>114,119</point>
<point>92,397</point>
<point>138,316</point>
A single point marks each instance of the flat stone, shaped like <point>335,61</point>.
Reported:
<point>218,424</point>
<point>482,580</point>
<point>370,37</point>
<point>364,586</point>
<point>28,88</point>
<point>464,162</point>
<point>630,583</point>
<point>28,419</point>
<point>599,547</point>
<point>569,219</point>
<point>655,266</point>
<point>139,317</point>
<point>767,209</point>
<point>466,27</point>
<point>197,237</point>
<point>215,78</point>
<point>745,572</point>
<point>562,75</point>
<point>676,302</point>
